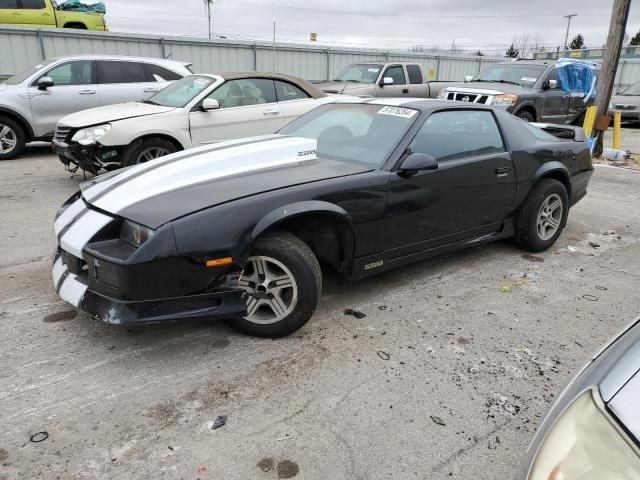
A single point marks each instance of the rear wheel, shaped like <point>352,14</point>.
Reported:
<point>283,281</point>
<point>12,139</point>
<point>543,216</point>
<point>146,150</point>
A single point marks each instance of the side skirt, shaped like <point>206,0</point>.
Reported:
<point>373,264</point>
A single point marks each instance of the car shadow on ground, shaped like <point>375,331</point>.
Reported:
<point>338,294</point>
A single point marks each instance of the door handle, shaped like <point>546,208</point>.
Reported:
<point>405,90</point>
<point>87,92</point>
<point>502,171</point>
<point>151,90</point>
<point>270,112</point>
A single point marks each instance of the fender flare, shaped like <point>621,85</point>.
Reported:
<point>297,209</point>
<point>528,105</point>
<point>553,167</point>
<point>12,113</point>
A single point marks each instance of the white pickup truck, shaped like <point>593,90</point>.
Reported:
<point>391,79</point>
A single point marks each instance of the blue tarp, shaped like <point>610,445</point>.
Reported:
<point>577,77</point>
<point>78,6</point>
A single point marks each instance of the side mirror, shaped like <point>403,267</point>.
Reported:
<point>386,81</point>
<point>417,162</point>
<point>45,82</point>
<point>210,104</point>
<point>468,78</point>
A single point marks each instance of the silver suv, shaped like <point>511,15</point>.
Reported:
<point>32,102</point>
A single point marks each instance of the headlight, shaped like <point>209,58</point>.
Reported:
<point>443,93</point>
<point>91,135</point>
<point>135,234</point>
<point>584,443</point>
<point>504,100</point>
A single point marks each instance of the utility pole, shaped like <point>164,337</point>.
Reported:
<point>615,38</point>
<point>566,35</point>
<point>273,50</point>
<point>207,6</point>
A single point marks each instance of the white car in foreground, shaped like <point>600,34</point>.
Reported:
<point>194,111</point>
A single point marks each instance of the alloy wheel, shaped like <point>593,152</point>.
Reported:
<point>272,289</point>
<point>152,153</point>
<point>549,217</point>
<point>8,139</point>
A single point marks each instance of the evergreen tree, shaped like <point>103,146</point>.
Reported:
<point>512,52</point>
<point>635,40</point>
<point>577,43</point>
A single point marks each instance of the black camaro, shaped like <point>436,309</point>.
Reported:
<point>238,230</point>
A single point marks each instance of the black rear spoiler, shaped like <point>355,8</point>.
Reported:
<point>565,132</point>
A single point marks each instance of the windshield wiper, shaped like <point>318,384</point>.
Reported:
<point>150,102</point>
<point>498,81</point>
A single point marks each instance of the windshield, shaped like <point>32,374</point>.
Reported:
<point>633,90</point>
<point>517,73</point>
<point>354,133</point>
<point>22,76</point>
<point>360,73</point>
<point>181,92</point>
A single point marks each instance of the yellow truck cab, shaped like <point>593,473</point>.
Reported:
<point>45,13</point>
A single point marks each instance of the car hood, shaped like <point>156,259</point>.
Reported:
<point>171,187</point>
<point>112,113</point>
<point>341,87</point>
<point>490,88</point>
<point>625,101</point>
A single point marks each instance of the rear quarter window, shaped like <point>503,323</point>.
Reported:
<point>415,75</point>
<point>161,74</point>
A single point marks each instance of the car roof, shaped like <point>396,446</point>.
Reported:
<point>299,82</point>
<point>421,104</point>
<point>160,61</point>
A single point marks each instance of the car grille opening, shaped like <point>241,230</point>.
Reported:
<point>62,133</point>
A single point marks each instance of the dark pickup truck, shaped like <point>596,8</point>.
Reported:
<point>530,90</point>
<point>391,79</point>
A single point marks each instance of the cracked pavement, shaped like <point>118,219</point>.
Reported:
<point>482,339</point>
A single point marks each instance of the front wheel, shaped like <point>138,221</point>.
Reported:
<point>283,281</point>
<point>543,216</point>
<point>142,151</point>
<point>526,116</point>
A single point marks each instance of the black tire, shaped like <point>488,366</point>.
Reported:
<point>527,235</point>
<point>135,153</point>
<point>298,258</point>
<point>16,133</point>
<point>525,115</point>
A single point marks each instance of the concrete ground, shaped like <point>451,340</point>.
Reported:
<point>447,376</point>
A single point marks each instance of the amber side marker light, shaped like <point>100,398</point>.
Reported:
<point>218,262</point>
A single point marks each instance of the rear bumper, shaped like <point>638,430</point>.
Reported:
<point>627,115</point>
<point>579,184</point>
<point>220,304</point>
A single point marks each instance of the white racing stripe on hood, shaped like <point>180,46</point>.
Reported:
<point>82,230</point>
<point>206,166</point>
<point>91,191</point>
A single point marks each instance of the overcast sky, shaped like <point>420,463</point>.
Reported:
<point>489,25</point>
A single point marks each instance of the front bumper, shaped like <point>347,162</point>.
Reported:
<point>73,288</point>
<point>92,158</point>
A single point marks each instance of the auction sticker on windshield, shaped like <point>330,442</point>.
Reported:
<point>397,112</point>
<point>528,79</point>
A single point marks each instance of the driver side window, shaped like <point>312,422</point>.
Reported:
<point>72,73</point>
<point>458,134</point>
<point>397,73</point>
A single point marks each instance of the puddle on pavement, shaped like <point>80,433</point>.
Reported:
<point>266,464</point>
<point>287,469</point>
<point>220,343</point>
<point>60,316</point>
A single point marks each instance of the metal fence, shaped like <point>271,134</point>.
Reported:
<point>22,47</point>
